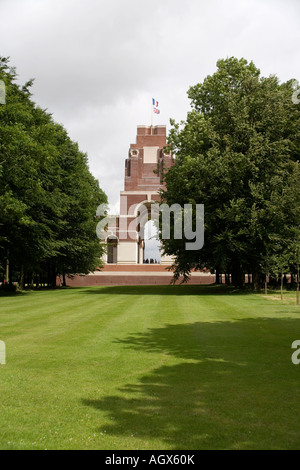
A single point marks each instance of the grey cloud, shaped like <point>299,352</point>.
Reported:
<point>98,63</point>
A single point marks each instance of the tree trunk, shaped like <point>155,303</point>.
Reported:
<point>255,281</point>
<point>53,277</point>
<point>7,269</point>
<point>22,283</point>
<point>238,276</point>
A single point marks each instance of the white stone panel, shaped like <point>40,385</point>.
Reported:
<point>127,253</point>
<point>150,154</point>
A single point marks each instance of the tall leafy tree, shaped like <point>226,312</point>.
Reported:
<point>234,154</point>
<point>48,196</point>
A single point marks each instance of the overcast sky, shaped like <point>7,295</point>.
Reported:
<point>97,64</point>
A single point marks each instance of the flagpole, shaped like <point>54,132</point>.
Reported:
<point>151,129</point>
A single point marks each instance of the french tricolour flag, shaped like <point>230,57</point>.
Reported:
<point>155,106</point>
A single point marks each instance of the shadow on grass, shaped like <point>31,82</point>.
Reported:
<point>4,293</point>
<point>226,386</point>
<point>166,290</point>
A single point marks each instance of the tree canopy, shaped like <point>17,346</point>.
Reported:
<point>237,153</point>
<point>48,196</point>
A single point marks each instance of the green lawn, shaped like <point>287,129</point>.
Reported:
<point>173,367</point>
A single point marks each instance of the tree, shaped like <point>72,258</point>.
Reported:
<point>234,154</point>
<point>48,196</point>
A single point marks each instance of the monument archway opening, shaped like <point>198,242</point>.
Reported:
<point>152,245</point>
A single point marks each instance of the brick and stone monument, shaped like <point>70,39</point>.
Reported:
<point>144,166</point>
